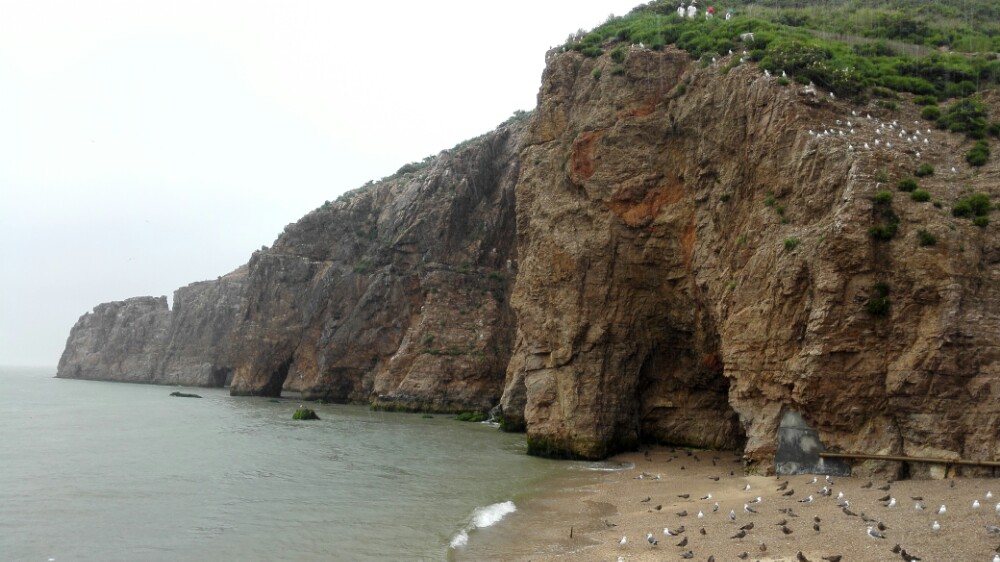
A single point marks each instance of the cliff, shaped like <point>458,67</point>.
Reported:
<point>395,294</point>
<point>665,251</point>
<point>141,340</point>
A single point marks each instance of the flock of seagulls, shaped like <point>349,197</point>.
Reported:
<point>756,511</point>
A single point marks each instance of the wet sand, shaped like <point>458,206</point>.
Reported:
<point>603,507</point>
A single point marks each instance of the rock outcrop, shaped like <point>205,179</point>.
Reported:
<point>694,257</point>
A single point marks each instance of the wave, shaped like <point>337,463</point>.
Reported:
<point>483,517</point>
<point>605,466</point>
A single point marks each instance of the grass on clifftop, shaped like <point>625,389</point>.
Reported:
<point>851,48</point>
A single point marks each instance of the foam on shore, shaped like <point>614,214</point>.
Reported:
<point>483,517</point>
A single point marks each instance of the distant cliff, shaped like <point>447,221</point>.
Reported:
<point>396,294</point>
<point>664,251</point>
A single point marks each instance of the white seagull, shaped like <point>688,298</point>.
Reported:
<point>989,495</point>
<point>941,510</point>
<point>892,502</point>
<point>935,526</point>
<point>747,487</point>
<point>755,500</point>
<point>975,504</point>
<point>623,541</point>
<point>873,533</point>
<point>748,509</point>
<point>732,515</point>
<point>808,499</point>
<point>651,539</point>
<point>701,514</point>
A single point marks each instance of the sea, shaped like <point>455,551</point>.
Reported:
<point>113,471</point>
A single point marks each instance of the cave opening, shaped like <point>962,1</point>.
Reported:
<point>683,400</point>
<point>277,379</point>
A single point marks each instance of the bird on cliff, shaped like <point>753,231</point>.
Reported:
<point>682,513</point>
<point>833,558</point>
<point>783,487</point>
<point>755,500</point>
<point>807,499</point>
<point>801,557</point>
<point>748,509</point>
<point>651,539</point>
<point>996,558</point>
<point>786,530</point>
<point>623,541</point>
<point>891,502</point>
<point>919,506</point>
<point>743,555</point>
<point>669,533</point>
<point>941,510</point>
<point>707,497</point>
<point>748,527</point>
<point>739,535</point>
<point>747,487</point>
<point>683,542</point>
<point>935,526</point>
<point>989,495</point>
<point>975,504</point>
<point>715,507</point>
<point>701,514</point>
<point>687,555</point>
<point>732,515</point>
<point>788,493</point>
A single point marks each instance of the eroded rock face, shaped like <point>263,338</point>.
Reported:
<point>695,262</point>
<point>141,340</point>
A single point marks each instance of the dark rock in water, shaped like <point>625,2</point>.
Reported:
<point>304,414</point>
<point>184,395</point>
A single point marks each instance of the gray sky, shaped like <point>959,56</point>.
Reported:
<point>145,145</point>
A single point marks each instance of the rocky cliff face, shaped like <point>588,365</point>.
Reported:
<point>693,259</point>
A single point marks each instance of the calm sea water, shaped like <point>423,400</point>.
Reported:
<point>109,471</point>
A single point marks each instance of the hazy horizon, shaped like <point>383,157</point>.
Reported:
<point>151,145</point>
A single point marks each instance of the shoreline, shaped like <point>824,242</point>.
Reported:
<point>662,487</point>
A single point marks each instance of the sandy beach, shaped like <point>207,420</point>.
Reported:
<point>668,488</point>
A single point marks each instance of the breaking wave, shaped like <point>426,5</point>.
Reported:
<point>483,517</point>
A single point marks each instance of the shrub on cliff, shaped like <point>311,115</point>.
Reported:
<point>908,184</point>
<point>925,238</point>
<point>968,116</point>
<point>977,204</point>
<point>878,303</point>
<point>978,154</point>
<point>920,195</point>
<point>924,170</point>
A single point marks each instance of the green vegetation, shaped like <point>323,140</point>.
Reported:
<point>471,417</point>
<point>724,197</point>
<point>930,49</point>
<point>967,116</point>
<point>920,195</point>
<point>878,304</point>
<point>978,154</point>
<point>924,170</point>
<point>618,55</point>
<point>882,197</point>
<point>887,220</point>
<point>975,205</point>
<point>908,184</point>
<point>925,238</point>
<point>791,243</point>
<point>769,200</point>
<point>596,74</point>
<point>305,414</point>
<point>981,222</point>
<point>931,113</point>
<point>741,240</point>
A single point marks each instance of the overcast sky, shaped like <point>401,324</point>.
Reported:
<point>145,145</point>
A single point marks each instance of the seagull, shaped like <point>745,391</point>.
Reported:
<point>739,535</point>
<point>875,534</point>
<point>866,146</point>
<point>935,526</point>
<point>998,508</point>
<point>732,515</point>
<point>941,510</point>
<point>975,504</point>
<point>953,170</point>
<point>892,502</point>
<point>989,495</point>
<point>747,527</point>
<point>651,539</point>
<point>748,509</point>
<point>669,533</point>
<point>623,541</point>
<point>919,506</point>
<point>783,75</point>
<point>824,491</point>
<point>993,529</point>
<point>708,497</point>
<point>755,500</point>
<point>996,558</point>
<point>715,507</point>
<point>701,514</point>
<point>684,542</point>
<point>807,499</point>
<point>747,487</point>
<point>786,530</point>
<point>840,495</point>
